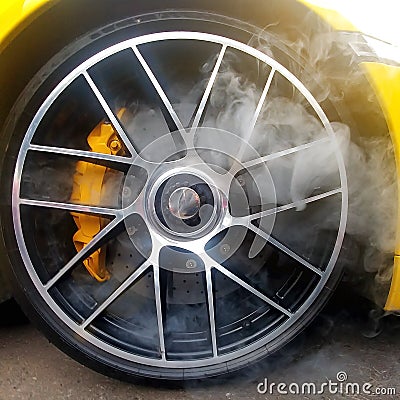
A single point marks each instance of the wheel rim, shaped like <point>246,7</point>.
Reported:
<point>143,211</point>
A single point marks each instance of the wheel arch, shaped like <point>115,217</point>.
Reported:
<point>29,45</point>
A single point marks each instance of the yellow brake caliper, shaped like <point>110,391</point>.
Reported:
<point>87,189</point>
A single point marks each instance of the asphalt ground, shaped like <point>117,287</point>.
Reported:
<point>32,368</point>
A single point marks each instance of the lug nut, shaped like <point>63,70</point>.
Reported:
<point>225,248</point>
<point>127,192</point>
<point>131,230</point>
<point>191,264</point>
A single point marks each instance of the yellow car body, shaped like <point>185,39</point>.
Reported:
<point>384,78</point>
<point>16,15</point>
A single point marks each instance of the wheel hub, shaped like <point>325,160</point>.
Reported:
<point>184,203</point>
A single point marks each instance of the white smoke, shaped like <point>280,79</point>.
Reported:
<point>286,122</point>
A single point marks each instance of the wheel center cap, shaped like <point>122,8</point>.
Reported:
<point>184,203</point>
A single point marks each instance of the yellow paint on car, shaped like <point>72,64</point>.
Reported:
<point>16,15</point>
<point>393,300</point>
<point>378,19</point>
<point>386,81</point>
<point>330,15</point>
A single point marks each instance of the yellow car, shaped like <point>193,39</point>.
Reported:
<point>183,184</point>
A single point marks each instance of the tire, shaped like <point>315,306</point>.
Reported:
<point>191,287</point>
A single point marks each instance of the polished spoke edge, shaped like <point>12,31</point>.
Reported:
<point>210,85</point>
<point>293,205</point>
<point>89,249</point>
<point>78,208</point>
<point>257,113</point>
<point>87,155</point>
<point>251,289</point>
<point>158,89</point>
<point>160,323</point>
<point>125,285</point>
<point>283,153</point>
<point>211,311</point>
<point>113,119</point>
<point>285,250</point>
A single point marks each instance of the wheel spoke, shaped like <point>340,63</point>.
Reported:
<point>113,119</point>
<point>159,90</point>
<point>79,208</point>
<point>210,85</point>
<point>290,206</point>
<point>260,105</point>
<point>111,161</point>
<point>102,237</point>
<point>245,143</point>
<point>154,259</point>
<point>246,139</point>
<point>125,285</point>
<point>160,323</point>
<point>283,153</point>
<point>284,249</point>
<point>251,289</point>
<point>222,181</point>
<point>211,311</point>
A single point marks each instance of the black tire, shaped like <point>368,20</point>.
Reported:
<point>44,245</point>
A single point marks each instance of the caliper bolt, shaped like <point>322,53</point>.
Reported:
<point>225,249</point>
<point>191,264</point>
<point>115,145</point>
